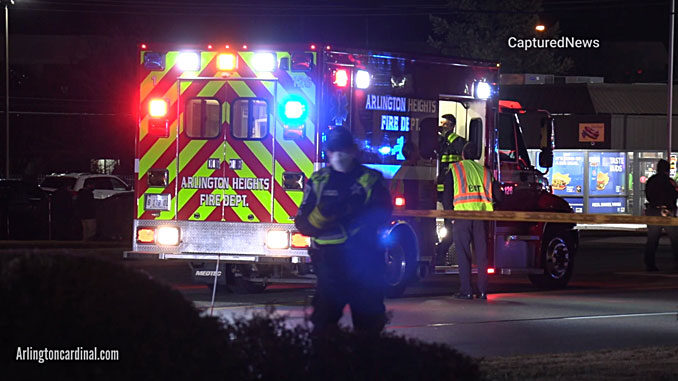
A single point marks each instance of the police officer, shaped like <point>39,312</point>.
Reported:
<point>450,146</point>
<point>470,186</point>
<point>661,193</point>
<point>344,204</point>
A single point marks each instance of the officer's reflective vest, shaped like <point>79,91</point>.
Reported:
<point>450,158</point>
<point>338,234</point>
<point>472,186</point>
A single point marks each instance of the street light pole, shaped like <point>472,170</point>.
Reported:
<point>7,3</point>
<point>669,113</point>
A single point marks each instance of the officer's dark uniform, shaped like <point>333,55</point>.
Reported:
<point>450,147</point>
<point>342,212</point>
<point>661,195</point>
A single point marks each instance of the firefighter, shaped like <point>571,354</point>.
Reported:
<point>343,206</point>
<point>661,193</point>
<point>470,186</point>
<point>450,146</point>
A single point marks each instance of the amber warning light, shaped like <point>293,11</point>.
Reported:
<point>300,241</point>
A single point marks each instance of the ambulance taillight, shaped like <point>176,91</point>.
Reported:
<point>157,108</point>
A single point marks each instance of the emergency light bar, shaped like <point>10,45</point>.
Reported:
<point>188,61</point>
<point>483,90</point>
<point>264,61</point>
<point>362,79</point>
<point>341,78</point>
<point>226,62</point>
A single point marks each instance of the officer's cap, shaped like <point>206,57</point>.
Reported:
<point>340,139</point>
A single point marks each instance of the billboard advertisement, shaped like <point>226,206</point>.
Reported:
<point>607,173</point>
<point>577,204</point>
<point>608,205</point>
<point>567,174</point>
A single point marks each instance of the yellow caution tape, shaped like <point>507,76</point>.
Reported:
<point>504,215</point>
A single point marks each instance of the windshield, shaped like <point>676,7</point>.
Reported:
<point>57,182</point>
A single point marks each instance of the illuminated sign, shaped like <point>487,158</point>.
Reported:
<point>395,123</point>
<point>400,104</point>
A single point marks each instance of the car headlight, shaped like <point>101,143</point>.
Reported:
<point>167,235</point>
<point>277,239</point>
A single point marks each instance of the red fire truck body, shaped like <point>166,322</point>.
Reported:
<point>227,137</point>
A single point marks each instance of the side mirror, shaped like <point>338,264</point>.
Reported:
<point>476,137</point>
<point>547,142</point>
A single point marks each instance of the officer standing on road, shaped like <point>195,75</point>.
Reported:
<point>470,186</point>
<point>344,205</point>
<point>661,193</point>
<point>450,146</point>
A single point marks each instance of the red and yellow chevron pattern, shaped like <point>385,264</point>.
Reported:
<point>186,158</point>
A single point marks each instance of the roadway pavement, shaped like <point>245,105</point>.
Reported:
<point>611,302</point>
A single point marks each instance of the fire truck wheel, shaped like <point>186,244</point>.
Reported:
<point>401,265</point>
<point>558,262</point>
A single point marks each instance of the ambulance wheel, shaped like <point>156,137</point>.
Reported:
<point>241,285</point>
<point>558,262</point>
<point>401,264</point>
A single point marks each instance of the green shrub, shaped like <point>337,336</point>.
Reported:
<point>62,302</point>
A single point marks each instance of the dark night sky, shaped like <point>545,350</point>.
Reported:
<point>347,21</point>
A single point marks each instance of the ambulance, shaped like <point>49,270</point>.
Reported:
<point>228,135</point>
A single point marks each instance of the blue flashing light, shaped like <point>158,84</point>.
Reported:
<point>294,110</point>
<point>385,150</point>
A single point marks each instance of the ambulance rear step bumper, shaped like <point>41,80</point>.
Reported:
<point>504,271</point>
<point>225,258</point>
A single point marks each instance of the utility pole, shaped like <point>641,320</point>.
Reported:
<point>669,114</point>
<point>7,3</point>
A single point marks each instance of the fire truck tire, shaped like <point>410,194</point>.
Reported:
<point>401,263</point>
<point>558,261</point>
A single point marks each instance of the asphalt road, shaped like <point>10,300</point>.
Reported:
<point>611,303</point>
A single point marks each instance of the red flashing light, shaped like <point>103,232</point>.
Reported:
<point>328,47</point>
<point>210,47</point>
<point>341,78</point>
<point>228,46</point>
<point>157,108</point>
<point>313,46</point>
<point>244,47</point>
<point>143,46</point>
<point>399,201</point>
<point>490,270</point>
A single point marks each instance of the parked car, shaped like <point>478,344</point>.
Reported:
<point>105,186</point>
<point>23,210</point>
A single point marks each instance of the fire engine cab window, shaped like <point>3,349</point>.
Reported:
<point>249,119</point>
<point>202,118</point>
<point>507,138</point>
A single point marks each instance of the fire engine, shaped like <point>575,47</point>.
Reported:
<point>227,136</point>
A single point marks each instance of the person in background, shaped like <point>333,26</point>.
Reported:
<point>87,211</point>
<point>450,146</point>
<point>661,192</point>
<point>470,186</point>
<point>343,207</point>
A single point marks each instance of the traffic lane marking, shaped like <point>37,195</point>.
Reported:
<point>584,317</point>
